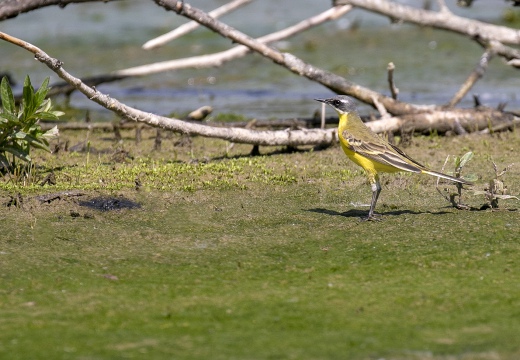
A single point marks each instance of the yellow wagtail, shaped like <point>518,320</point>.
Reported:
<point>371,152</point>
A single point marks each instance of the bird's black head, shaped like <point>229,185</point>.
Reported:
<point>341,103</point>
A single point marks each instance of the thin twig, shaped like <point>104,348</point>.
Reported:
<point>393,89</point>
<point>381,108</point>
<point>192,25</point>
<point>217,59</point>
<point>475,75</point>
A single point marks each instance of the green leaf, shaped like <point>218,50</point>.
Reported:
<point>44,115</point>
<point>42,92</point>
<point>7,97</point>
<point>18,152</point>
<point>37,143</point>
<point>29,103</point>
<point>9,118</point>
<point>465,158</point>
<point>51,133</point>
<point>57,113</point>
<point>19,130</point>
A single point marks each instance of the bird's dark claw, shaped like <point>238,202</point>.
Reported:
<point>372,217</point>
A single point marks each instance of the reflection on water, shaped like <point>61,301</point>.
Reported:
<point>96,38</point>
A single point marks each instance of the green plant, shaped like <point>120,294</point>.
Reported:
<point>19,127</point>
<point>496,189</point>
<point>456,198</point>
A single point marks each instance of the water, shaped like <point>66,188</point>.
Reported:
<point>96,38</point>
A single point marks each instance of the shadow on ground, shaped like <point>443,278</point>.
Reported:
<point>363,213</point>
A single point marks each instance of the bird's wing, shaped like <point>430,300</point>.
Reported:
<point>382,153</point>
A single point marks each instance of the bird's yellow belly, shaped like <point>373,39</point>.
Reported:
<point>370,166</point>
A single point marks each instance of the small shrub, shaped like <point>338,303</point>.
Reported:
<point>496,190</point>
<point>19,127</point>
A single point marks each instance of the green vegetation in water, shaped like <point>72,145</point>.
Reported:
<point>511,17</point>
<point>268,260</point>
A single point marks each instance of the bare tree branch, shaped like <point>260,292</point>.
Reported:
<point>330,80</point>
<point>508,53</point>
<point>487,35</point>
<point>12,8</point>
<point>438,19</point>
<point>192,25</point>
<point>270,138</point>
<point>208,60</point>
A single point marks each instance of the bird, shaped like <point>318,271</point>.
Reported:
<point>373,153</point>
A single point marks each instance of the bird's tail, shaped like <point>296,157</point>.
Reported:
<point>447,177</point>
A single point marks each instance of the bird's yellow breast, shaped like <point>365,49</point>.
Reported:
<point>369,165</point>
<point>353,125</point>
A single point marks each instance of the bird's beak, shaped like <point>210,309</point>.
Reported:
<point>321,100</point>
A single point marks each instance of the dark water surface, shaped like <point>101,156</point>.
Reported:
<point>96,38</point>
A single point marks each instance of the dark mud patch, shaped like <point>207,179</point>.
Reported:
<point>109,203</point>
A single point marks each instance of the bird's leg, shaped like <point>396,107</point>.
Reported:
<point>376,189</point>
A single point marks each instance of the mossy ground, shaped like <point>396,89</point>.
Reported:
<point>239,257</point>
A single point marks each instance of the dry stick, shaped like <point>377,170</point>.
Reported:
<point>217,59</point>
<point>192,25</point>
<point>330,80</point>
<point>475,75</point>
<point>393,89</point>
<point>322,117</point>
<point>270,138</point>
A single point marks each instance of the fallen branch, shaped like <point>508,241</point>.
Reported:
<point>459,121</point>
<point>270,124</point>
<point>470,120</point>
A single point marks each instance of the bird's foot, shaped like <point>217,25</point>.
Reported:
<point>372,217</point>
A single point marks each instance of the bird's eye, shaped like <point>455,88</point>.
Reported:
<point>337,103</point>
